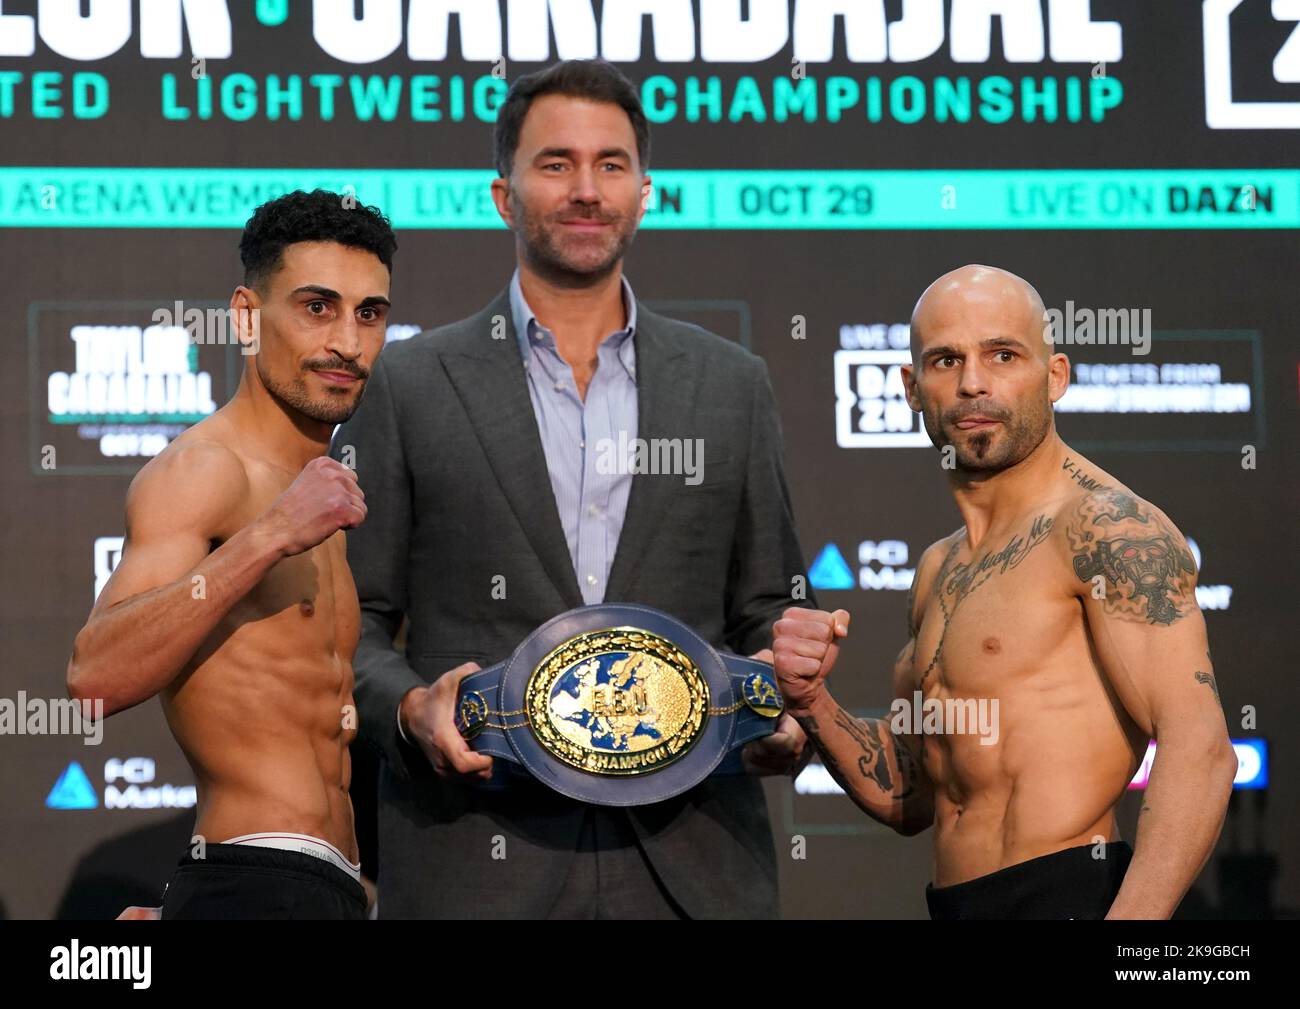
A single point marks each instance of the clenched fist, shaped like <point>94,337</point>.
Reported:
<point>805,645</point>
<point>322,500</point>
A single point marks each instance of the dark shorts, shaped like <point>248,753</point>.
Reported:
<point>244,882</point>
<point>1065,884</point>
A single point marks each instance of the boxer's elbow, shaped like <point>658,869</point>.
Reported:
<point>1223,763</point>
<point>1213,749</point>
<point>75,677</point>
<point>1204,754</point>
<point>85,679</point>
<point>79,679</point>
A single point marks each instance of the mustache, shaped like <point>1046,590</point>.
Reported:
<point>985,409</point>
<point>336,364</point>
<point>586,215</point>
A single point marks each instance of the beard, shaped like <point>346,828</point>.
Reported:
<point>993,450</point>
<point>334,407</point>
<point>574,257</point>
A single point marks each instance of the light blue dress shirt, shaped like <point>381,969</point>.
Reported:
<point>582,438</point>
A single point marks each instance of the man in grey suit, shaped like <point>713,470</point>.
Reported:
<point>484,449</point>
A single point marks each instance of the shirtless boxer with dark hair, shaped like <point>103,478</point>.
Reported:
<point>233,598</point>
<point>1064,597</point>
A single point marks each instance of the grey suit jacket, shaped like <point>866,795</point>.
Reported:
<point>446,448</point>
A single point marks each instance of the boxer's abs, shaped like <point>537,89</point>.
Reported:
<point>266,714</point>
<point>1050,782</point>
<point>1003,632</point>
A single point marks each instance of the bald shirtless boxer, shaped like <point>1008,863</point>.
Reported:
<point>233,598</point>
<point>1064,597</point>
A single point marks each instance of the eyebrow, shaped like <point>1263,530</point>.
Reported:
<point>568,152</point>
<point>333,295</point>
<point>991,343</point>
<point>1002,341</point>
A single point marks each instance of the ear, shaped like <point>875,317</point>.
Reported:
<point>1058,376</point>
<point>909,388</point>
<point>246,319</point>
<point>501,197</point>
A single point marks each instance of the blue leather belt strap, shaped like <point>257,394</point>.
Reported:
<point>744,704</point>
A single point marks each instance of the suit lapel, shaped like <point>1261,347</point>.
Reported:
<point>488,376</point>
<point>665,396</point>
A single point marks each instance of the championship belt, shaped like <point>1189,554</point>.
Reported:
<point>618,705</point>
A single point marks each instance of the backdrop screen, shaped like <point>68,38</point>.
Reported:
<point>816,164</point>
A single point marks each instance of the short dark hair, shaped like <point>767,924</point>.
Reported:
<point>597,80</point>
<point>318,216</point>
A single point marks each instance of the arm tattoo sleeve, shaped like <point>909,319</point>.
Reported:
<point>872,757</point>
<point>1148,572</point>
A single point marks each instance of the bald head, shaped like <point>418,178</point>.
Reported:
<point>983,299</point>
<point>982,375</point>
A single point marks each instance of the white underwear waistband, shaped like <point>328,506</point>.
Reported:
<point>303,843</point>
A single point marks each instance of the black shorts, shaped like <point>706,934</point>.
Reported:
<point>235,881</point>
<point>1065,884</point>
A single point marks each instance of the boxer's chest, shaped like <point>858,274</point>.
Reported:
<point>994,614</point>
<point>309,597</point>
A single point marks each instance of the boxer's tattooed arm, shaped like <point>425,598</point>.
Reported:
<point>907,768</point>
<point>1147,571</point>
<point>871,757</point>
<point>1208,680</point>
<point>873,762</point>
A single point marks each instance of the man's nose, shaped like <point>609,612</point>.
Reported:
<point>584,189</point>
<point>974,379</point>
<point>345,339</point>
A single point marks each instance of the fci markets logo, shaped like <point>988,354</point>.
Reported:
<point>128,784</point>
<point>1224,108</point>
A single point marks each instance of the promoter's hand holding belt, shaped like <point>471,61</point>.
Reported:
<point>618,705</point>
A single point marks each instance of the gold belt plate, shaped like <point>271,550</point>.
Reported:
<point>619,701</point>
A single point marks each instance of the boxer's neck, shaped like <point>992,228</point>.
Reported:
<point>281,435</point>
<point>989,502</point>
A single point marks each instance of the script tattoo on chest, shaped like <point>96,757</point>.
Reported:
<point>955,583</point>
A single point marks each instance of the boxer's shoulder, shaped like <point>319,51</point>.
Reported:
<point>1110,532</point>
<point>927,570</point>
<point>1094,496</point>
<point>1108,508</point>
<point>196,473</point>
<point>932,557</point>
<point>196,456</point>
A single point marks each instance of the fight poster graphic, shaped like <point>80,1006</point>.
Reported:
<point>112,383</point>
